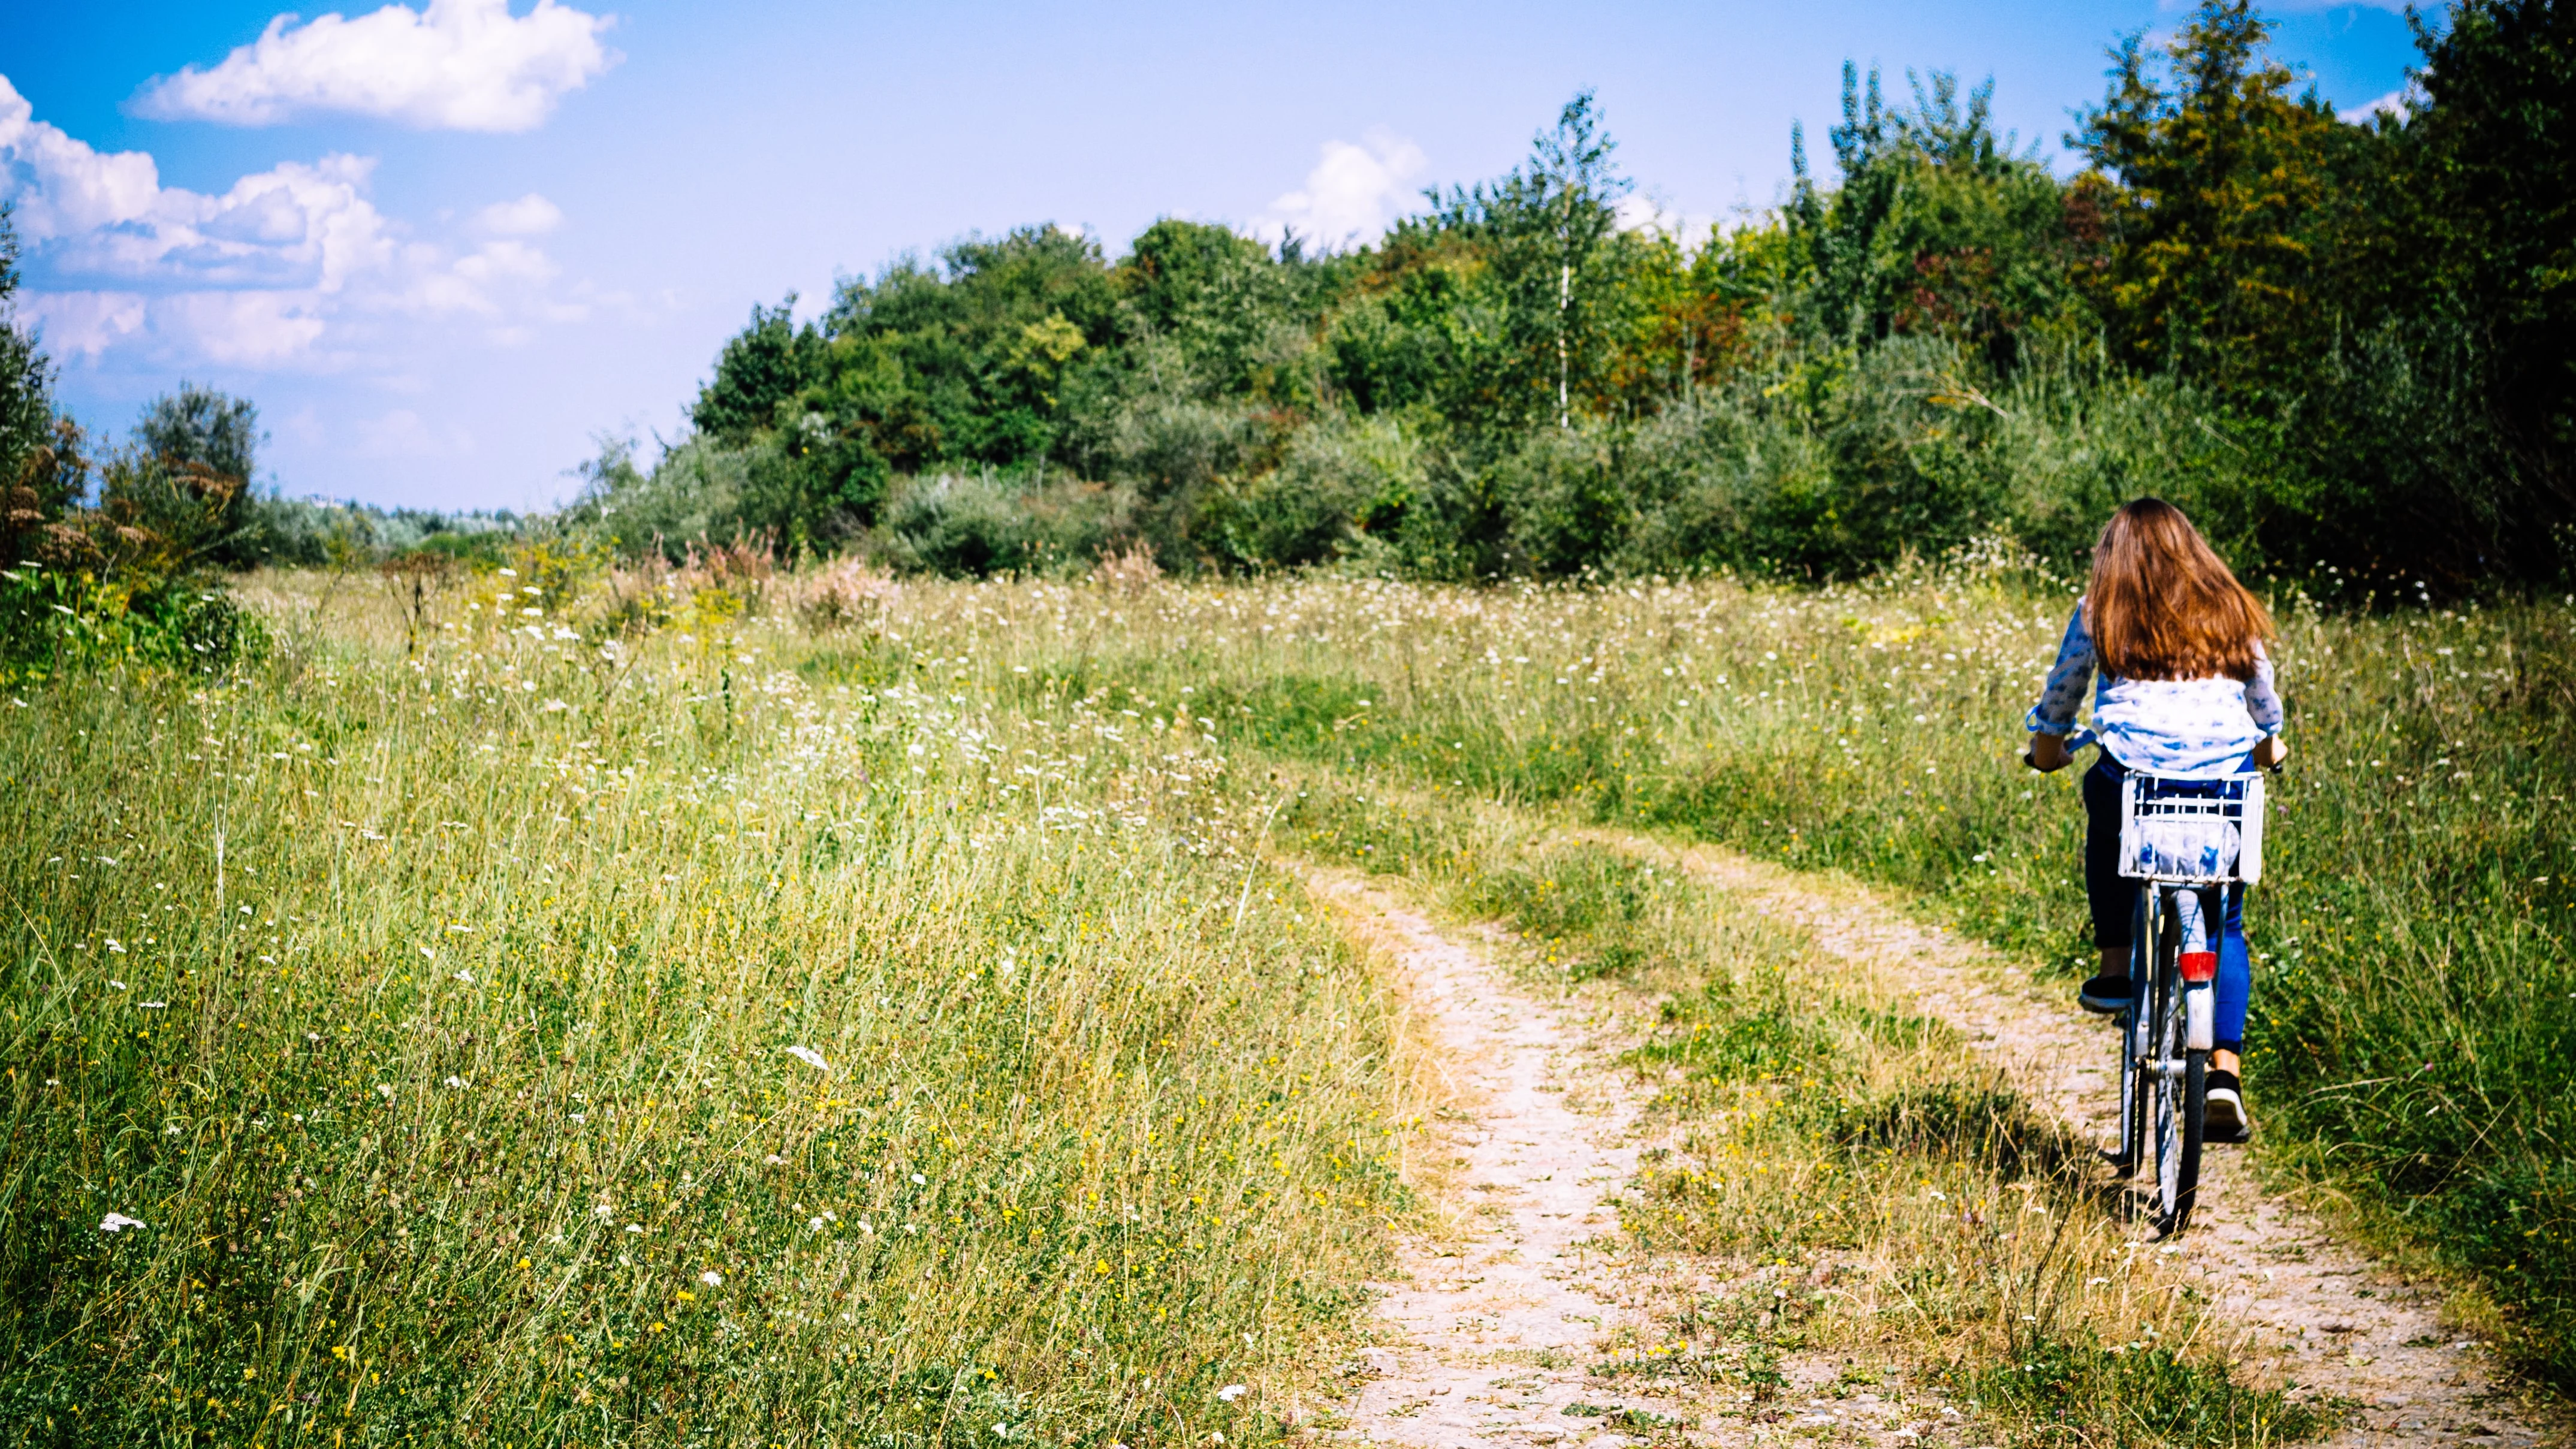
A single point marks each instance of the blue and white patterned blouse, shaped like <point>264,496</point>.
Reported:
<point>2186,729</point>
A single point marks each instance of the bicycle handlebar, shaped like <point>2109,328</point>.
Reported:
<point>2074,742</point>
<point>2086,736</point>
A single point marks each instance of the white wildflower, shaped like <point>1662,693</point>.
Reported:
<point>1231,1392</point>
<point>117,1223</point>
<point>810,1057</point>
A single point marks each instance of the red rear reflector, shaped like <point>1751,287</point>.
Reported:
<point>2199,966</point>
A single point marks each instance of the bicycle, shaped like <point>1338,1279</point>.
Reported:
<point>2186,842</point>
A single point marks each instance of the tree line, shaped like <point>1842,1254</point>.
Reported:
<point>2346,346</point>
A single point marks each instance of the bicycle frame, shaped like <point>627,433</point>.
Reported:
<point>2193,845</point>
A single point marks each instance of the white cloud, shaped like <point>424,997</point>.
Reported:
<point>463,65</point>
<point>1639,212</point>
<point>292,266</point>
<point>245,329</point>
<point>2395,103</point>
<point>1351,195</point>
<point>507,259</point>
<point>72,188</point>
<point>248,329</point>
<point>530,215</point>
<point>84,324</point>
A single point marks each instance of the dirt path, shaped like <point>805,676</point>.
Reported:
<point>1495,1322</point>
<point>2336,1321</point>
<point>1490,1327</point>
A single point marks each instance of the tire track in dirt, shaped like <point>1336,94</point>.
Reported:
<point>1495,1321</point>
<point>2332,1320</point>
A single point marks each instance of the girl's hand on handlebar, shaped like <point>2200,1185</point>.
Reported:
<point>2270,754</point>
<point>2048,754</point>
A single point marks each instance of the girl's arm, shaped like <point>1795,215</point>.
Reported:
<point>2263,703</point>
<point>2052,719</point>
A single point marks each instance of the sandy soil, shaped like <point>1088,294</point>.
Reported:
<point>1491,1327</point>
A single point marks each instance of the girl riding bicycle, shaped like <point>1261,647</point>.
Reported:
<point>2186,693</point>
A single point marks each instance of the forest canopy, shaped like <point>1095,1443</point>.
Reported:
<point>2342,345</point>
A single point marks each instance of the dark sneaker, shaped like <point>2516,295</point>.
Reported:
<point>2107,995</point>
<point>2223,1117</point>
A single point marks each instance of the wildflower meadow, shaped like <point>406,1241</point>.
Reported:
<point>550,1003</point>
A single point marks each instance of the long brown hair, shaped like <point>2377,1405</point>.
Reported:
<point>2163,605</point>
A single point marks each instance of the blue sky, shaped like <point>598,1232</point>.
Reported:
<point>443,247</point>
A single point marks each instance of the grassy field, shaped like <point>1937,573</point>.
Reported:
<point>720,1037</point>
<point>2413,1039</point>
<point>701,1007</point>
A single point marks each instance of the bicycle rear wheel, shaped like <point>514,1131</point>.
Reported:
<point>2180,1088</point>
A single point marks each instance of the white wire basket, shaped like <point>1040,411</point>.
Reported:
<point>2192,832</point>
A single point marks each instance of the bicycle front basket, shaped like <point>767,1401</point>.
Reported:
<point>2198,832</point>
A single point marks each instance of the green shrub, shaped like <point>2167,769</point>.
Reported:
<point>52,623</point>
<point>2136,1395</point>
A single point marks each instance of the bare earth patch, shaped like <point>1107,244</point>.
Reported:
<point>1488,1335</point>
<point>1495,1321</point>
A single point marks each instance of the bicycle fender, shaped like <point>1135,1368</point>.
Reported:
<point>2200,1018</point>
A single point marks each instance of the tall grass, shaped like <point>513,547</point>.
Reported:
<point>427,987</point>
<point>714,1035</point>
<point>2414,1026</point>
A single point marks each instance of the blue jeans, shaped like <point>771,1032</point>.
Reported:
<point>2114,898</point>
